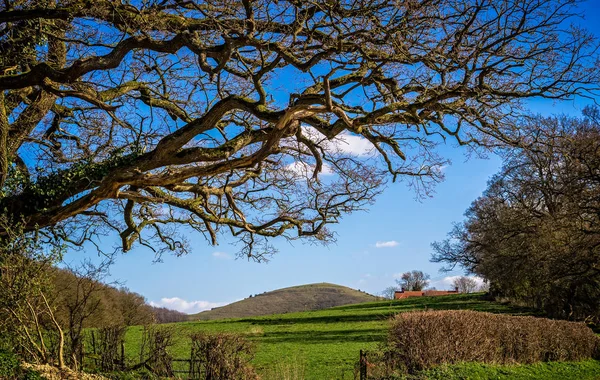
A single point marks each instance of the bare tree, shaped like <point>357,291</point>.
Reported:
<point>80,296</point>
<point>415,280</point>
<point>465,284</point>
<point>245,116</point>
<point>389,292</point>
<point>27,313</point>
<point>484,287</point>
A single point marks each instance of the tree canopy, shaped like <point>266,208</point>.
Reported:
<point>242,117</point>
<point>413,281</point>
<point>534,234</point>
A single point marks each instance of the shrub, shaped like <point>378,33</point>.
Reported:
<point>10,368</point>
<point>31,374</point>
<point>9,365</point>
<point>222,357</point>
<point>419,340</point>
<point>109,350</point>
<point>155,345</point>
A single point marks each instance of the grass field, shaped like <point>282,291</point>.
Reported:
<point>325,344</point>
<point>586,370</point>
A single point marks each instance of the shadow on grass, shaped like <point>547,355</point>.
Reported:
<point>477,302</point>
<point>383,310</point>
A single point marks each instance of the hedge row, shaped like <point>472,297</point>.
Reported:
<point>420,340</point>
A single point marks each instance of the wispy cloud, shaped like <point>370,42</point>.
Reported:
<point>386,244</point>
<point>221,255</point>
<point>188,307</point>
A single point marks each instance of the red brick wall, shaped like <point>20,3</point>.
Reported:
<point>407,294</point>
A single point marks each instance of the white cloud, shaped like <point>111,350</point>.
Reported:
<point>440,168</point>
<point>386,244</point>
<point>221,255</point>
<point>353,144</point>
<point>345,142</point>
<point>306,170</point>
<point>189,307</point>
<point>447,282</point>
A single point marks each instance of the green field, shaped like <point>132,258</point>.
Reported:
<point>325,344</point>
<point>586,370</point>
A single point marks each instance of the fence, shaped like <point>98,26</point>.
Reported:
<point>211,356</point>
<point>187,369</point>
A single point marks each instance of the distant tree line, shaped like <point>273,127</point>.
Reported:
<point>535,232</point>
<point>108,304</point>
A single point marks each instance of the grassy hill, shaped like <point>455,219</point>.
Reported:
<point>325,344</point>
<point>288,300</point>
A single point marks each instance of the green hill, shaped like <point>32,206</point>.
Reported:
<point>288,300</point>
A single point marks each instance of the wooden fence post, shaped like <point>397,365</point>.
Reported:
<point>192,356</point>
<point>363,365</point>
<point>122,356</point>
<point>94,350</point>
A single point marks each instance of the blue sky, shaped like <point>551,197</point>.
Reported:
<point>403,227</point>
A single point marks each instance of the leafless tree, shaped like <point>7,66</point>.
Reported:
<point>389,292</point>
<point>79,296</point>
<point>415,280</point>
<point>245,116</point>
<point>465,284</point>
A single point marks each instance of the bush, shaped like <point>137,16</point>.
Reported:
<point>155,345</point>
<point>222,357</point>
<point>110,342</point>
<point>10,368</point>
<point>9,365</point>
<point>423,339</point>
<point>31,374</point>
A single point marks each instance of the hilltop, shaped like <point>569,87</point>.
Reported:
<point>293,299</point>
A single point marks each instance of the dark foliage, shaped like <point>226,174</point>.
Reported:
<point>9,364</point>
<point>535,233</point>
